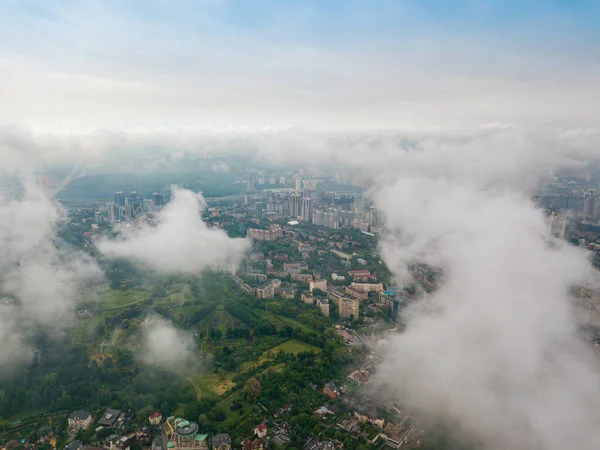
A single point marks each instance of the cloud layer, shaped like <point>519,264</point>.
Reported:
<point>40,276</point>
<point>165,346</point>
<point>180,242</point>
<point>495,352</point>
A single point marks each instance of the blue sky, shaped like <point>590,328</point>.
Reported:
<point>377,63</point>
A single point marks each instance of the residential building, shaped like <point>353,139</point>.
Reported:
<point>76,445</point>
<point>157,200</point>
<point>44,435</point>
<point>286,292</point>
<point>336,277</point>
<point>110,417</point>
<point>273,233</point>
<point>297,182</point>
<point>342,255</point>
<point>120,198</point>
<point>318,284</point>
<point>323,306</point>
<point>155,419</point>
<point>365,415</point>
<point>183,434</point>
<point>362,276</point>
<point>307,298</point>
<point>221,442</point>
<point>311,185</point>
<point>79,420</point>
<point>349,307</point>
<point>284,409</point>
<point>335,296</point>
<point>259,209</point>
<point>305,277</point>
<point>248,444</point>
<point>261,430</point>
<point>265,291</point>
<point>331,390</point>
<point>316,444</point>
<point>306,209</point>
<point>324,411</point>
<point>356,293</point>
<point>368,287</point>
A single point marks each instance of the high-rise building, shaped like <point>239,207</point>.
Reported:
<point>306,211</point>
<point>295,200</point>
<point>349,307</point>
<point>281,180</point>
<point>590,206</point>
<point>120,198</point>
<point>129,208</point>
<point>318,218</point>
<point>157,200</point>
<point>311,185</point>
<point>251,183</point>
<point>259,209</point>
<point>297,182</point>
<point>111,212</point>
<point>134,200</point>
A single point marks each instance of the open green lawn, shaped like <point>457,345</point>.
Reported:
<point>234,416</point>
<point>281,321</point>
<point>292,346</point>
<point>295,346</point>
<point>113,299</point>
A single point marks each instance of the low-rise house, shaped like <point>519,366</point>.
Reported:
<point>316,444</point>
<point>331,390</point>
<point>360,376</point>
<point>365,415</point>
<point>155,419</point>
<point>261,430</point>
<point>324,411</point>
<point>45,434</point>
<point>252,445</point>
<point>76,445</point>
<point>110,418</point>
<point>221,441</point>
<point>79,420</point>
<point>284,409</point>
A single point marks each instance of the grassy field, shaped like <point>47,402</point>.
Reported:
<point>294,346</point>
<point>280,321</point>
<point>225,406</point>
<point>212,384</point>
<point>119,299</point>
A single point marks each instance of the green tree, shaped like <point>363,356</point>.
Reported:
<point>253,389</point>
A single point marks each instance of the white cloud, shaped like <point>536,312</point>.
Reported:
<point>495,352</point>
<point>180,242</point>
<point>166,346</point>
<point>43,277</point>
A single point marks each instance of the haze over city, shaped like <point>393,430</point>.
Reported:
<point>300,225</point>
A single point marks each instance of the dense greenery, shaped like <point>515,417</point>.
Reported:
<point>103,186</point>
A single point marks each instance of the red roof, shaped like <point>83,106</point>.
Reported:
<point>155,415</point>
<point>262,427</point>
